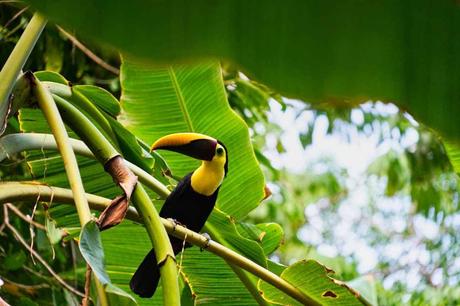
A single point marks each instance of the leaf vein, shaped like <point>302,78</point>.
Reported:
<point>180,99</point>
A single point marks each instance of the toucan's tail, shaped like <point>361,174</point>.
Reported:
<point>145,280</point>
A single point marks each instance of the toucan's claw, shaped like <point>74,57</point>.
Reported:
<point>175,223</point>
<point>208,242</point>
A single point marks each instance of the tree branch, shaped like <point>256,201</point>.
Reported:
<point>25,218</point>
<point>89,53</point>
<point>85,301</point>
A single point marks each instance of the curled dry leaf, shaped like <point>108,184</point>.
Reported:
<point>116,211</point>
<point>267,193</point>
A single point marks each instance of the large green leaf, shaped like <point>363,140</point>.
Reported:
<point>311,278</point>
<point>100,97</point>
<point>160,101</point>
<point>342,50</point>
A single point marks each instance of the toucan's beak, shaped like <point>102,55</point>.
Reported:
<point>195,145</point>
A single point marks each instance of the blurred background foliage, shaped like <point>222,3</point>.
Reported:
<point>365,190</point>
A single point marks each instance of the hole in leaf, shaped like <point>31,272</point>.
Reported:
<point>330,294</point>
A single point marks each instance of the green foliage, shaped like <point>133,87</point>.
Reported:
<point>391,61</point>
<point>398,51</point>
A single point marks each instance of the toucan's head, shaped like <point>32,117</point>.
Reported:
<point>195,145</point>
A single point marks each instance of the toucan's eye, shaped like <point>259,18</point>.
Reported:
<point>220,151</point>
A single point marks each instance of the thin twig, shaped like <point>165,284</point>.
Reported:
<point>184,242</point>
<point>36,273</point>
<point>40,259</point>
<point>14,30</point>
<point>89,53</point>
<point>85,301</point>
<point>18,213</point>
<point>5,213</point>
<point>26,287</point>
<point>14,17</point>
<point>31,227</point>
<point>43,262</point>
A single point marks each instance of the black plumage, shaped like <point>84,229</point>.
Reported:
<point>188,208</point>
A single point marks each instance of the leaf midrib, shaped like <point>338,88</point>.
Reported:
<point>180,99</point>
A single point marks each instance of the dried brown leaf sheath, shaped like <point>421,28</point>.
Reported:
<point>116,211</point>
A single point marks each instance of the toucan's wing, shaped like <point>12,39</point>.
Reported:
<point>188,207</point>
<point>177,198</point>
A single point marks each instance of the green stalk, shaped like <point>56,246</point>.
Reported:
<point>85,129</point>
<point>160,241</point>
<point>13,66</point>
<point>104,152</point>
<point>14,143</point>
<point>13,191</point>
<point>91,109</point>
<point>51,112</point>
<point>242,275</point>
<point>66,92</point>
<point>249,284</point>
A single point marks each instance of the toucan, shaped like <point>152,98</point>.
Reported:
<point>192,200</point>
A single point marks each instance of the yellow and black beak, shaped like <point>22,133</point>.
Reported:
<point>195,145</point>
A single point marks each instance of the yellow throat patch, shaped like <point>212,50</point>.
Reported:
<point>209,176</point>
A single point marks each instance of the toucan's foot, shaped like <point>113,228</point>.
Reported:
<point>208,241</point>
<point>175,223</point>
